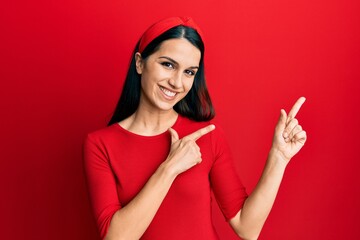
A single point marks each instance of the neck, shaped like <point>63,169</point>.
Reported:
<point>149,123</point>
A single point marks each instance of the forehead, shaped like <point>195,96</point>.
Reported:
<point>180,50</point>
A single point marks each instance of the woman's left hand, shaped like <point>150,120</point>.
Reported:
<point>289,136</point>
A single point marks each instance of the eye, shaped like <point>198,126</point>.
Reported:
<point>190,72</point>
<point>167,64</point>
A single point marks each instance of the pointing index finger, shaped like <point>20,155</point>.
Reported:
<point>295,109</point>
<point>201,132</point>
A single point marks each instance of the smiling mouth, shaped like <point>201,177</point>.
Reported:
<point>167,92</point>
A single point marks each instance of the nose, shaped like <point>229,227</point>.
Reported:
<point>175,80</point>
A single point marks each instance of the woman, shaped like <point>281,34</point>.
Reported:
<point>151,171</point>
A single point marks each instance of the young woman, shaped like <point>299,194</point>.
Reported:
<point>151,171</point>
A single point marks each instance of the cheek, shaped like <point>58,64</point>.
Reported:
<point>154,75</point>
<point>188,84</point>
<point>147,80</point>
<point>147,84</point>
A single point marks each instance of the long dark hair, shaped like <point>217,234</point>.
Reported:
<point>195,105</point>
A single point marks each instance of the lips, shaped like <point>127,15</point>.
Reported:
<point>168,93</point>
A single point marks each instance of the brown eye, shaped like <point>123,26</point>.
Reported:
<point>167,64</point>
<point>189,72</point>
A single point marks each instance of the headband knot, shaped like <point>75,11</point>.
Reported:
<point>162,26</point>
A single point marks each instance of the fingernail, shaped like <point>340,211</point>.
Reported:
<point>285,134</point>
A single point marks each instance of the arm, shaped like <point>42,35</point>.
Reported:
<point>131,221</point>
<point>288,140</point>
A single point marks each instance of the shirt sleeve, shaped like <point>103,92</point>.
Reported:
<point>101,183</point>
<point>228,189</point>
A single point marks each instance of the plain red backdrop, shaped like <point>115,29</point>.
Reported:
<point>62,68</point>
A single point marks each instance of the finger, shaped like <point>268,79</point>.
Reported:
<point>196,162</point>
<point>292,135</point>
<point>295,109</point>
<point>295,131</point>
<point>201,132</point>
<point>301,137</point>
<point>174,135</point>
<point>197,148</point>
<point>280,126</point>
<point>289,127</point>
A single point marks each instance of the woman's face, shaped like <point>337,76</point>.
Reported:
<point>168,74</point>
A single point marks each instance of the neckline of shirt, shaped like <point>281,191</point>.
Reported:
<point>127,132</point>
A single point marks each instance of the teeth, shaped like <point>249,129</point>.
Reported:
<point>167,92</point>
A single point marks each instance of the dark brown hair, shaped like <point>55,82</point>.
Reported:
<point>195,105</point>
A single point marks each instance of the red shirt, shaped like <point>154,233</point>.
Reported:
<point>118,163</point>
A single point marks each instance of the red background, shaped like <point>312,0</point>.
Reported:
<point>62,68</point>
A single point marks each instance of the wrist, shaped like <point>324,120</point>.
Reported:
<point>167,171</point>
<point>276,156</point>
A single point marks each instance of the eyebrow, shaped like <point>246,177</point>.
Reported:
<point>176,63</point>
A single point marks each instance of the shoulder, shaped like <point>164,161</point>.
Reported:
<point>102,134</point>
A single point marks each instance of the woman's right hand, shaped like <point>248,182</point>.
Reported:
<point>132,220</point>
<point>185,153</point>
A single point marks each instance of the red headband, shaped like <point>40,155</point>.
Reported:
<point>162,26</point>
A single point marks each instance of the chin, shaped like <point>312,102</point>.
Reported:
<point>165,107</point>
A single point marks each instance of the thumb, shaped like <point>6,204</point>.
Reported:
<point>280,126</point>
<point>174,135</point>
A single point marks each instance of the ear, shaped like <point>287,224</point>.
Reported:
<point>139,63</point>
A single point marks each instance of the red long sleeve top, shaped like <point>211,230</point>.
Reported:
<point>118,163</point>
